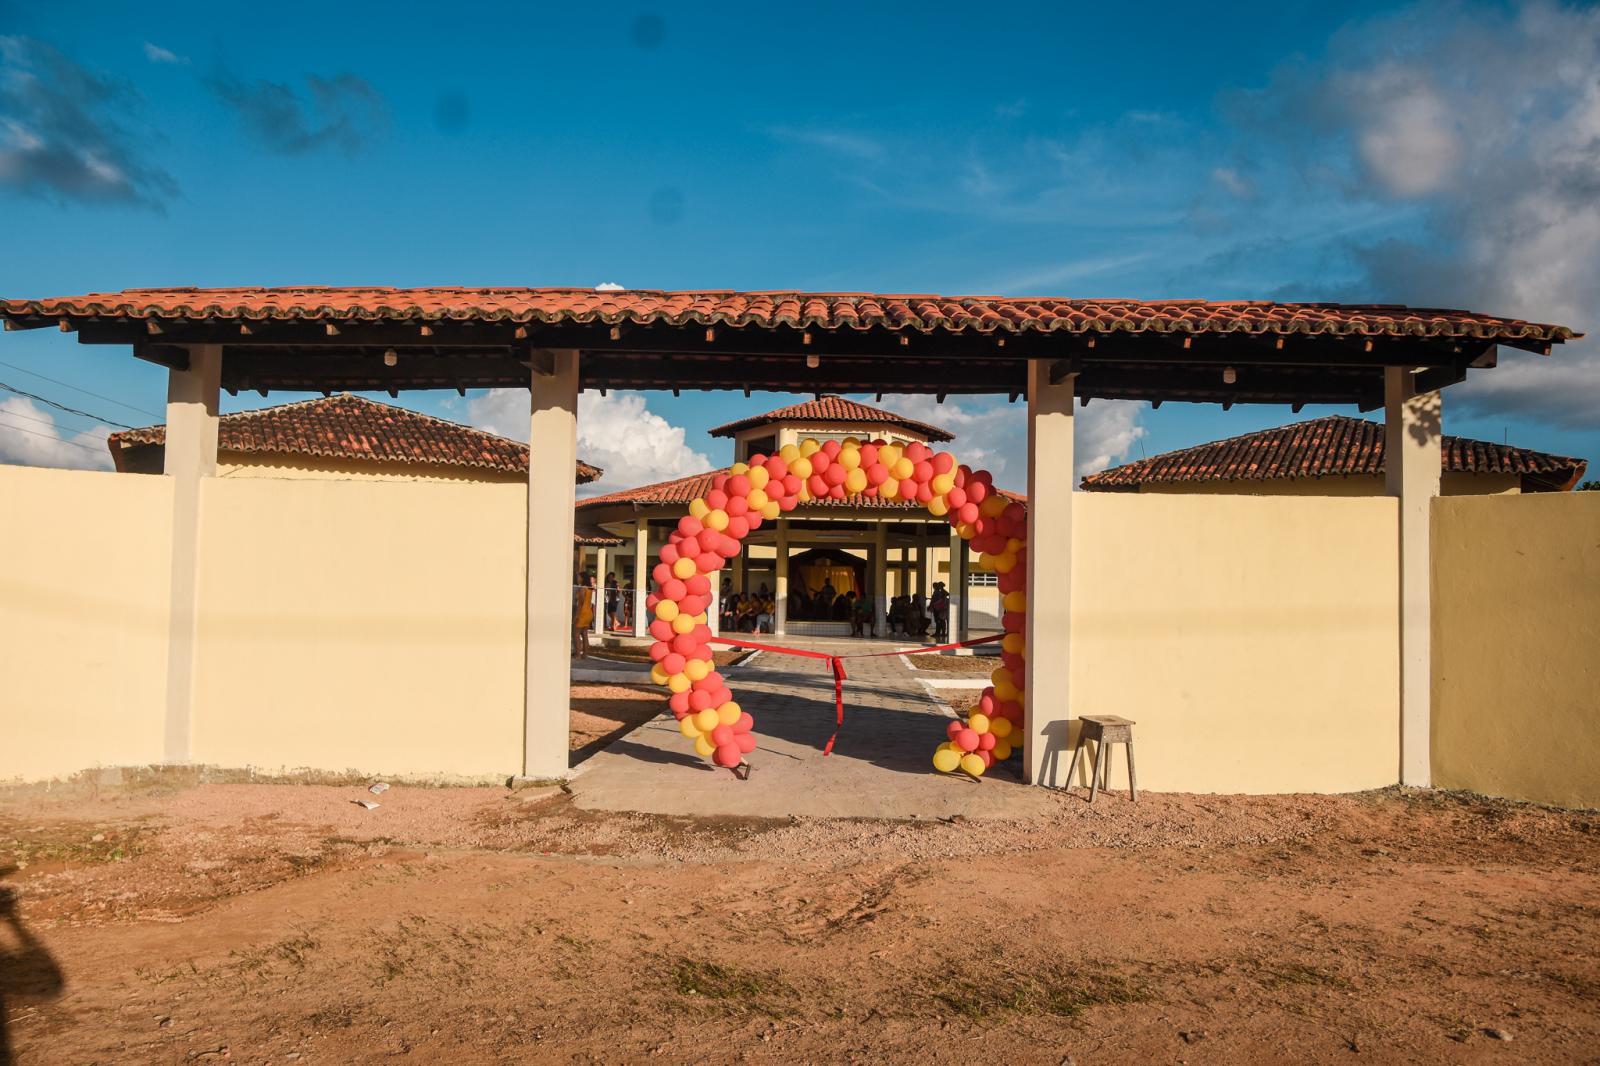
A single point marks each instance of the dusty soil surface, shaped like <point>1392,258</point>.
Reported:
<point>282,923</point>
<point>601,713</point>
<point>965,665</point>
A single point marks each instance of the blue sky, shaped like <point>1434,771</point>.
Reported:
<point>1281,150</point>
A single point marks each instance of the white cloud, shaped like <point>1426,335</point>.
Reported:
<point>30,437</point>
<point>609,286</point>
<point>156,54</point>
<point>616,432</point>
<point>840,142</point>
<point>1106,432</point>
<point>1408,139</point>
<point>1234,182</point>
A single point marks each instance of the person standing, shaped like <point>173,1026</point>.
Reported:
<point>582,614</point>
<point>613,602</point>
<point>939,607</point>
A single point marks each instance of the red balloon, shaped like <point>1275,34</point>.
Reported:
<point>701,634</point>
<point>791,485</point>
<point>721,735</point>
<point>986,702</point>
<point>869,455</point>
<point>669,553</point>
<point>745,742</point>
<point>835,474</point>
<point>788,503</point>
<point>820,461</point>
<point>924,493</point>
<point>660,573</point>
<point>817,484</point>
<point>716,499</point>
<point>977,491</point>
<point>754,518</point>
<point>738,485</point>
<point>956,497</point>
<point>967,739</point>
<point>673,664</point>
<point>679,703</point>
<point>776,468</point>
<point>943,462</point>
<point>689,525</point>
<point>683,643</point>
<point>1014,622</point>
<point>1015,581</point>
<point>728,755</point>
<point>710,683</point>
<point>986,741</point>
<point>720,482</point>
<point>693,604</point>
<point>968,513</point>
<point>877,473</point>
<point>956,726</point>
<point>721,696</point>
<point>709,561</point>
<point>662,630</point>
<point>699,700</point>
<point>702,652</point>
<point>660,650</point>
<point>650,601</point>
<point>836,492</point>
<point>674,590</point>
<point>737,506</point>
<point>1011,711</point>
<point>923,471</point>
<point>831,448</point>
<point>739,528</point>
<point>698,585</point>
<point>1013,662</point>
<point>908,489</point>
<point>988,758</point>
<point>745,723</point>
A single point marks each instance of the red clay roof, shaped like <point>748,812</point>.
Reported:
<point>922,313</point>
<point>684,489</point>
<point>1333,446</point>
<point>835,409</point>
<point>353,428</point>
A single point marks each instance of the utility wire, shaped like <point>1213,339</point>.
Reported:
<point>61,406</point>
<point>79,388</point>
<point>48,436</point>
<point>42,421</point>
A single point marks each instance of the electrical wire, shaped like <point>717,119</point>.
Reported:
<point>61,406</point>
<point>79,388</point>
<point>42,421</point>
<point>48,436</point>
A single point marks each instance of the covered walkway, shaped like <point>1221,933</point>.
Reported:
<point>889,720</point>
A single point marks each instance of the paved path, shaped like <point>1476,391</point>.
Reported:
<point>881,766</point>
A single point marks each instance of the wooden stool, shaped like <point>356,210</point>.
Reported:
<point>1103,730</point>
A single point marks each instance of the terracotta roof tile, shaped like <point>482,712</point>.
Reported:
<point>353,428</point>
<point>1326,447</point>
<point>920,313</point>
<point>836,409</point>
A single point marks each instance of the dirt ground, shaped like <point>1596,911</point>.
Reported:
<point>965,665</point>
<point>283,923</point>
<point>601,713</point>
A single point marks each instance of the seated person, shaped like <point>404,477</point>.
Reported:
<point>843,606</point>
<point>861,621</point>
<point>917,618</point>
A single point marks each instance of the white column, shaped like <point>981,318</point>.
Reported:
<point>641,575</point>
<point>1049,631</point>
<point>714,612</point>
<point>600,590</point>
<point>880,579</point>
<point>1412,465</point>
<point>924,575</point>
<point>190,458</point>
<point>553,439</point>
<point>780,595</point>
<point>960,618</point>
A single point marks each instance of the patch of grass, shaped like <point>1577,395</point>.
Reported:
<point>1278,975</point>
<point>1060,992</point>
<point>77,844</point>
<point>730,987</point>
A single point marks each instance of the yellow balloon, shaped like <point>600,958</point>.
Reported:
<point>688,727</point>
<point>942,484</point>
<point>703,745</point>
<point>992,506</point>
<point>945,761</point>
<point>809,446</point>
<point>851,442</point>
<point>1001,727</point>
<point>1013,545</point>
<point>1004,691</point>
<point>1002,750</point>
<point>758,498</point>
<point>1005,563</point>
<point>850,456</point>
<point>801,468</point>
<point>683,623</point>
<point>984,562</point>
<point>729,713</point>
<point>1015,601</point>
<point>758,478</point>
<point>856,479</point>
<point>789,453</point>
<point>658,674</point>
<point>889,454</point>
<point>771,510</point>
<point>979,722</point>
<point>696,669</point>
<point>684,568</point>
<point>699,508</point>
<point>739,468</point>
<point>937,507</point>
<point>969,762</point>
<point>666,610</point>
<point>966,531</point>
<point>1013,643</point>
<point>903,468</point>
<point>717,520</point>
<point>804,495</point>
<point>707,719</point>
<point>889,490</point>
<point>1001,674</point>
<point>679,682</point>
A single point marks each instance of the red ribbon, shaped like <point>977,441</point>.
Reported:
<point>836,664</point>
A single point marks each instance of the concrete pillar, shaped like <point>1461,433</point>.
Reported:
<point>714,612</point>
<point>780,580</point>
<point>600,590</point>
<point>880,579</point>
<point>553,442</point>
<point>190,458</point>
<point>738,570</point>
<point>924,574</point>
<point>1412,465</point>
<point>960,617</point>
<point>641,576</point>
<point>1049,632</point>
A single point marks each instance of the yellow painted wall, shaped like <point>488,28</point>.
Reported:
<point>1253,639</point>
<point>83,620</point>
<point>1516,646</point>
<point>1452,484</point>
<point>361,625</point>
<point>149,460</point>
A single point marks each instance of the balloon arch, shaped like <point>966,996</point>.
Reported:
<point>761,489</point>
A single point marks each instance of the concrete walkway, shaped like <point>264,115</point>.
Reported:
<point>881,766</point>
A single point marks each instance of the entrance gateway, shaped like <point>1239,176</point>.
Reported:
<point>557,341</point>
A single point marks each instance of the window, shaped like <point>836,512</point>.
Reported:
<point>980,579</point>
